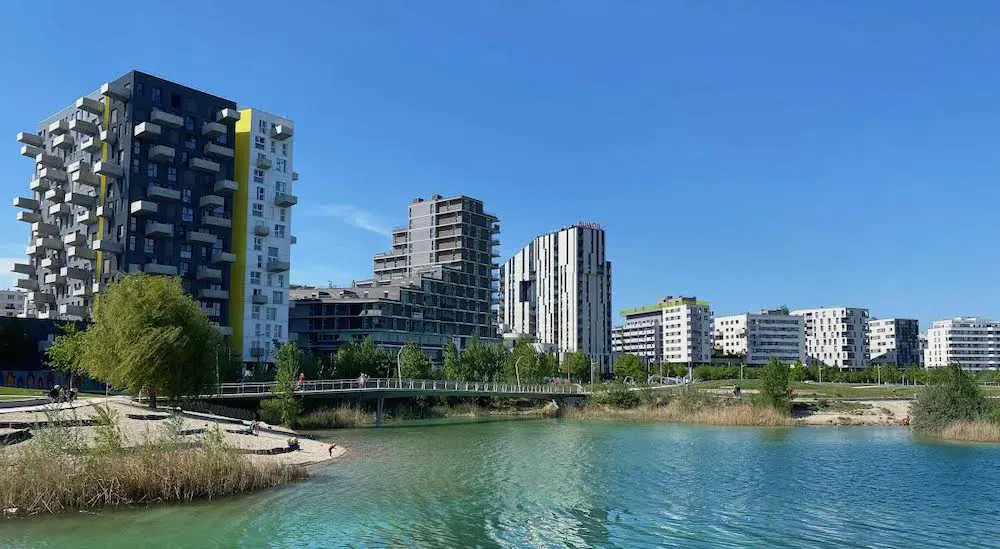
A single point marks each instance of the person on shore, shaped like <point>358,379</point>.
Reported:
<point>331,449</point>
<point>737,392</point>
<point>255,427</point>
<point>302,379</point>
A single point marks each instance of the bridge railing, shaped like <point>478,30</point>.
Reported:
<point>395,384</point>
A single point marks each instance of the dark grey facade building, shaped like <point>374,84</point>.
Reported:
<point>894,341</point>
<point>137,176</point>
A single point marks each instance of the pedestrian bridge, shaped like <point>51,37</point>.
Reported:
<point>398,388</point>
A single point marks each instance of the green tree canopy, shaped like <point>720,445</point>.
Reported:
<point>575,365</point>
<point>284,405</point>
<point>774,385</point>
<point>147,333</point>
<point>66,352</point>
<point>354,359</point>
<point>952,395</point>
<point>630,365</point>
<point>413,363</point>
<point>452,368</point>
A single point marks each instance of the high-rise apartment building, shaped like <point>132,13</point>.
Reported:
<point>557,290</point>
<point>970,342</point>
<point>762,336</point>
<point>436,285</point>
<point>894,341</point>
<point>136,176</point>
<point>11,303</point>
<point>684,325</point>
<point>836,336</point>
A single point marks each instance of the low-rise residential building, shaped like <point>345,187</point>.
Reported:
<point>970,342</point>
<point>685,330</point>
<point>836,336</point>
<point>11,303</point>
<point>762,336</point>
<point>894,341</point>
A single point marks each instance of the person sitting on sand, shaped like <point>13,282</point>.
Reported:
<point>255,427</point>
<point>293,444</point>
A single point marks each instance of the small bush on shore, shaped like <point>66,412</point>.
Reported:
<point>618,396</point>
<point>954,397</point>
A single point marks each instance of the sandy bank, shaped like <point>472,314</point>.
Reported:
<point>865,413</point>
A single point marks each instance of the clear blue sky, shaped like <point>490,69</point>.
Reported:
<point>751,153</point>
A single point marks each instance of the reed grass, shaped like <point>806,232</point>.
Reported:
<point>972,431</point>
<point>677,411</point>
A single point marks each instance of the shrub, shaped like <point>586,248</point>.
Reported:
<point>952,396</point>
<point>774,386</point>
<point>617,396</point>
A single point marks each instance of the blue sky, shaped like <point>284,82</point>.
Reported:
<point>750,153</point>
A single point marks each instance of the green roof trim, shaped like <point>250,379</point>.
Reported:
<point>662,305</point>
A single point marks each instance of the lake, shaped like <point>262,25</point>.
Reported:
<point>576,483</point>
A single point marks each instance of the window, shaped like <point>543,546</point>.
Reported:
<point>260,193</point>
<point>156,94</point>
<point>277,298</point>
<point>270,280</point>
<point>277,331</point>
<point>135,165</point>
<point>257,243</point>
<point>262,126</point>
<point>279,165</point>
<point>255,277</point>
<point>175,100</point>
<point>260,263</point>
<point>151,169</point>
<point>279,231</point>
<point>272,313</point>
<point>186,195</point>
<point>136,147</point>
<point>284,149</point>
<point>132,223</point>
<point>138,89</point>
<point>256,331</point>
<point>121,232</point>
<point>280,186</point>
<point>255,312</point>
<point>185,267</point>
<point>281,214</point>
<point>184,157</point>
<point>274,146</point>
<point>259,142</point>
<point>149,245</point>
<point>131,243</point>
<point>267,331</point>
<point>186,251</point>
<point>272,253</point>
<point>189,123</point>
<point>172,174</point>
<point>258,210</point>
<point>187,214</point>
<point>191,142</point>
<point>258,176</point>
<point>281,281</point>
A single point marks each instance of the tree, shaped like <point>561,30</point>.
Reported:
<point>148,334</point>
<point>575,364</point>
<point>414,364</point>
<point>230,364</point>
<point>798,372</point>
<point>66,352</point>
<point>630,365</point>
<point>452,368</point>
<point>774,385</point>
<point>374,360</point>
<point>952,395</point>
<point>284,406</point>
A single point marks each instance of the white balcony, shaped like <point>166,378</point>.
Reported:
<point>64,141</point>
<point>107,245</point>
<point>87,178</point>
<point>147,130</point>
<point>275,266</point>
<point>79,165</point>
<point>258,299</point>
<point>156,192</point>
<point>159,269</point>
<point>104,211</point>
<point>108,137</point>
<point>227,115</point>
<point>28,138</point>
<point>284,200</point>
<point>211,201</point>
<point>223,257</point>
<point>58,127</point>
<point>92,106</point>
<point>50,243</point>
<point>55,195</point>
<point>74,239</point>
<point>155,229</point>
<point>78,311</point>
<point>80,252</point>
<point>88,217</point>
<point>208,273</point>
<point>198,237</point>
<point>39,185</point>
<point>32,250</point>
<point>281,132</point>
<point>226,186</point>
<point>75,273</point>
<point>52,174</point>
<point>26,203</point>
<point>61,209</point>
<point>216,221</point>
<point>143,207</point>
<point>83,291</point>
<point>29,284</point>
<point>161,153</point>
<point>50,263</point>
<point>31,151</point>
<point>84,127</point>
<point>218,151</point>
<point>91,144</point>
<point>166,119</point>
<point>213,294</point>
<point>29,217</point>
<point>116,91</point>
<point>108,169</point>
<point>50,160</point>
<point>55,278</point>
<point>44,229</point>
<point>261,230</point>
<point>212,130</point>
<point>80,199</point>
<point>23,268</point>
<point>203,165</point>
<point>263,161</point>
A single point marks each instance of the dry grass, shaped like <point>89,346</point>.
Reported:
<point>343,417</point>
<point>973,431</point>
<point>677,411</point>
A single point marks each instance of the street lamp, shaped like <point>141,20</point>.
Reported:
<point>399,366</point>
<point>517,371</point>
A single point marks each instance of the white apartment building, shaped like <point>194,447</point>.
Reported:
<point>836,336</point>
<point>640,335</point>
<point>684,325</point>
<point>894,341</point>
<point>971,342</point>
<point>557,289</point>
<point>762,336</point>
<point>11,303</point>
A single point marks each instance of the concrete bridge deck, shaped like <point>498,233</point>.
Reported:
<point>398,388</point>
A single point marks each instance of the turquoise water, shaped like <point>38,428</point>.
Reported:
<point>569,483</point>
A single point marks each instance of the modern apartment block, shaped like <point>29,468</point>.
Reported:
<point>762,336</point>
<point>11,303</point>
<point>685,328</point>
<point>641,335</point>
<point>894,341</point>
<point>557,290</point>
<point>970,342</point>
<point>262,207</point>
<point>836,336</point>
<point>136,176</point>
<point>436,285</point>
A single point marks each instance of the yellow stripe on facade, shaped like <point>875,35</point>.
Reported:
<point>238,270</point>
<point>104,187</point>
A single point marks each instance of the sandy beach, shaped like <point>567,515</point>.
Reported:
<point>872,413</point>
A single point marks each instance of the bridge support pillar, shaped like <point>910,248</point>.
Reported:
<point>378,411</point>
